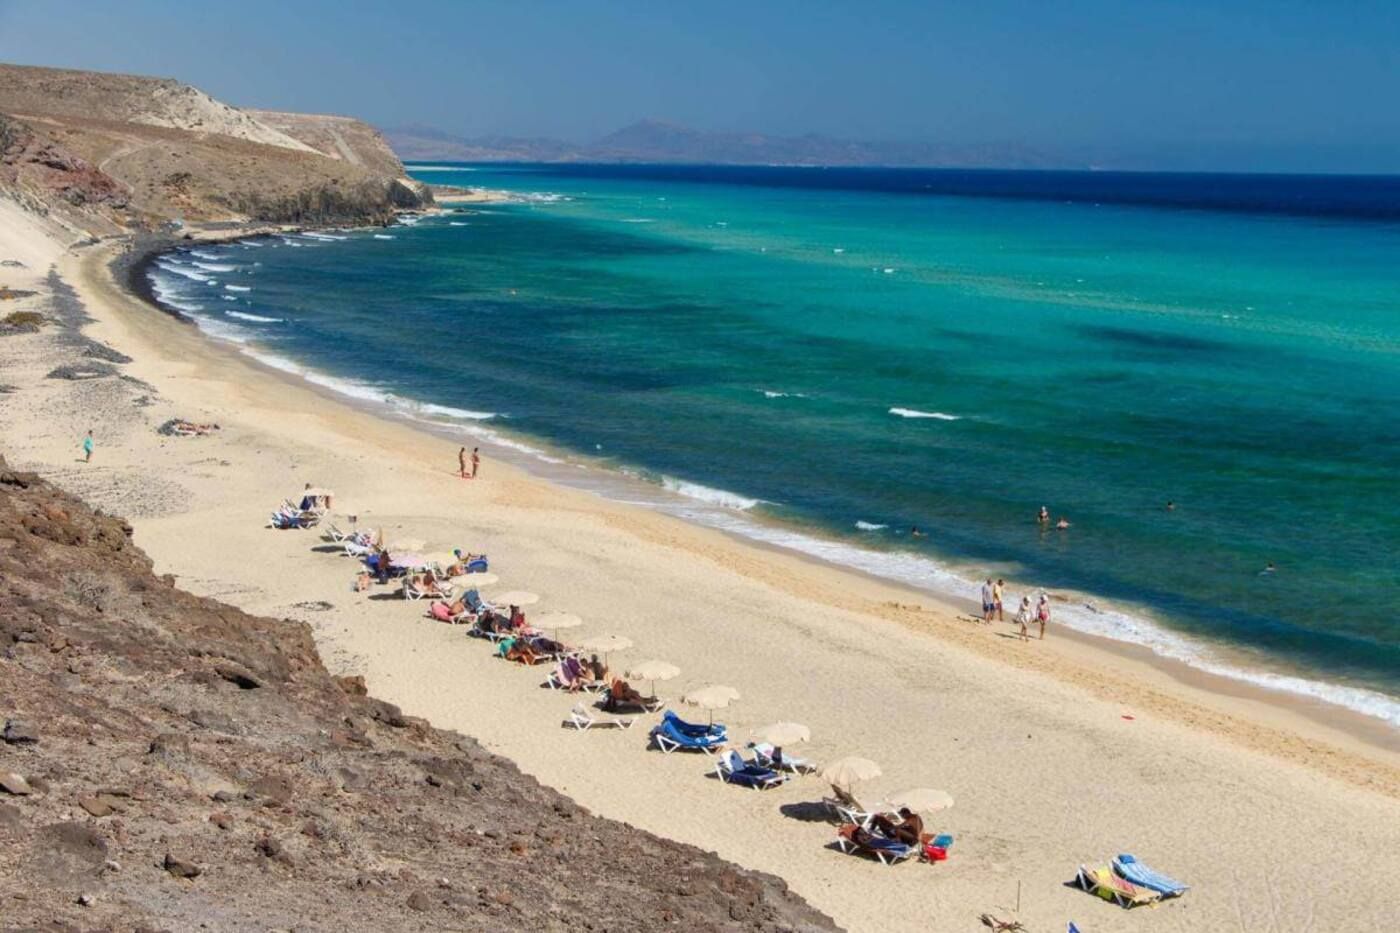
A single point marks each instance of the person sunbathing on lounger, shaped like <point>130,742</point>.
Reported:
<point>576,674</point>
<point>621,693</point>
<point>908,830</point>
<point>597,670</point>
<point>520,650</point>
<point>428,584</point>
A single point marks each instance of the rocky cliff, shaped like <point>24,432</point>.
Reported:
<point>104,150</point>
<point>169,762</point>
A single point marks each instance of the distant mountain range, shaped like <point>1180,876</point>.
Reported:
<point>657,141</point>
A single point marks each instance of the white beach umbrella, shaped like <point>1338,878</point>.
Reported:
<point>843,772</point>
<point>515,598</point>
<point>651,671</point>
<point>556,620</point>
<point>443,559</point>
<point>605,645</point>
<point>779,734</point>
<point>710,698</point>
<point>921,800</point>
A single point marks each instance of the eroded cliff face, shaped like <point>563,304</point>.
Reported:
<point>169,762</point>
<point>123,151</point>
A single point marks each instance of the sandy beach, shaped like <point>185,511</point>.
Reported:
<point>1058,753</point>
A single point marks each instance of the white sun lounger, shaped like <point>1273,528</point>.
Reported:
<point>763,753</point>
<point>583,719</point>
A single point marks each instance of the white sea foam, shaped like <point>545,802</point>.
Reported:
<point>869,526</point>
<point>221,329</point>
<point>457,223</point>
<point>888,270</point>
<point>324,237</point>
<point>915,413</point>
<point>383,236</point>
<point>180,269</point>
<point>720,497</point>
<point>838,250</point>
<point>257,318</point>
<point>211,257</point>
<point>638,220</point>
<point>214,266</point>
<point>238,288</point>
<point>229,297</point>
<point>446,411</point>
<point>769,393</point>
<point>256,244</point>
<point>353,388</point>
<point>500,440</point>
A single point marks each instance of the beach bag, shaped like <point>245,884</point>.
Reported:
<point>935,853</point>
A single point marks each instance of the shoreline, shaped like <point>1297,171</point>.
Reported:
<point>542,459</point>
<point>1193,781</point>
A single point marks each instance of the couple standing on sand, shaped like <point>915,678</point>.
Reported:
<point>992,608</point>
<point>462,462</point>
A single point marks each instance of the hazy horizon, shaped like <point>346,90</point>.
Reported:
<point>1236,86</point>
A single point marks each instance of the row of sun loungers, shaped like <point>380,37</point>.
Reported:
<point>1126,882</point>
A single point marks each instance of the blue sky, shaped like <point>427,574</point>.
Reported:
<point>1235,84</point>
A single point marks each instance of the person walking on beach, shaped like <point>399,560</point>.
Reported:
<point>1042,613</point>
<point>87,446</point>
<point>462,462</point>
<point>1023,616</point>
<point>476,461</point>
<point>996,599</point>
<point>987,600</point>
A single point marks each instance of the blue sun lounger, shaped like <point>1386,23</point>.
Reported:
<point>1131,870</point>
<point>733,769</point>
<point>669,737</point>
<point>695,729</point>
<point>854,840</point>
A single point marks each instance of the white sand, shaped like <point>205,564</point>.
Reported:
<point>1280,822</point>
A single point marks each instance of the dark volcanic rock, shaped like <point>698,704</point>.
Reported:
<point>181,867</point>
<point>152,702</point>
<point>85,371</point>
<point>19,733</point>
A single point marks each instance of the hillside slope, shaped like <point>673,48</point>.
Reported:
<point>344,138</point>
<point>170,762</point>
<point>168,151</point>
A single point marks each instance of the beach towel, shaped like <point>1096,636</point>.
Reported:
<point>1130,869</point>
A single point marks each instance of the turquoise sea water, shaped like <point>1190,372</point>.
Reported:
<point>848,356</point>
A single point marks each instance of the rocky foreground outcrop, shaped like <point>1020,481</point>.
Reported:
<point>169,762</point>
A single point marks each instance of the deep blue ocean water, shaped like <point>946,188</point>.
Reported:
<point>826,358</point>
